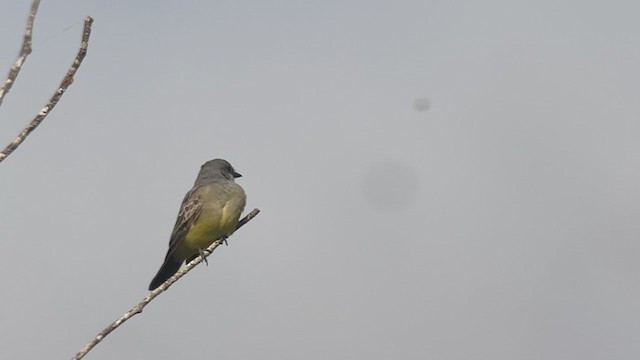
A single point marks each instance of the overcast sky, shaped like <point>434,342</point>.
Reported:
<point>437,179</point>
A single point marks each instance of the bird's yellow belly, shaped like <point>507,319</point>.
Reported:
<point>211,226</point>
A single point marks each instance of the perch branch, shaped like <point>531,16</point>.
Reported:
<point>137,309</point>
<point>66,82</point>
<point>24,52</point>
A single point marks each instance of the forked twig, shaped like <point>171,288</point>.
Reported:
<point>66,82</point>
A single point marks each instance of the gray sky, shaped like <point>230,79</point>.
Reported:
<point>499,223</point>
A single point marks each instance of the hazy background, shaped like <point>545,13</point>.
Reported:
<point>437,179</point>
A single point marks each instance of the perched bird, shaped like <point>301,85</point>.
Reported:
<point>209,211</point>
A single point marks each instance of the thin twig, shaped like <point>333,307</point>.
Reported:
<point>24,52</point>
<point>137,309</point>
<point>66,82</point>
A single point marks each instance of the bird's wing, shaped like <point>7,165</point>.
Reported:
<point>190,210</point>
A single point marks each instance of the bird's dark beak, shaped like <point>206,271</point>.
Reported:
<point>236,174</point>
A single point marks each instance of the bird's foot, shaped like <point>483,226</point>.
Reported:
<point>202,255</point>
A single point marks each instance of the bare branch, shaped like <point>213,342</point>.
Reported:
<point>24,51</point>
<point>137,309</point>
<point>66,82</point>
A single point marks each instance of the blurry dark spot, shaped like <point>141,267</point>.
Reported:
<point>421,104</point>
<point>390,185</point>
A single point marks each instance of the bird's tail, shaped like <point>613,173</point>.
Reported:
<point>168,268</point>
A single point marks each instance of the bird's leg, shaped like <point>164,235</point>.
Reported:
<point>202,255</point>
<point>224,241</point>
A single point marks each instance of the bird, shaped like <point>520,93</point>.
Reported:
<point>209,211</point>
